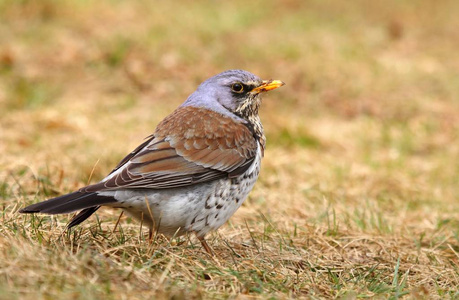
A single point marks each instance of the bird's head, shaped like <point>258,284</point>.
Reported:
<point>235,92</point>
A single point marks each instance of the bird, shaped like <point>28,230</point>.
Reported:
<point>193,172</point>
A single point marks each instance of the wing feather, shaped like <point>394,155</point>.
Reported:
<point>192,145</point>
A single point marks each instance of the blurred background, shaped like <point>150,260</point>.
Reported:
<point>366,129</point>
<point>370,85</point>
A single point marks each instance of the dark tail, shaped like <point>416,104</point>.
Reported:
<point>87,202</point>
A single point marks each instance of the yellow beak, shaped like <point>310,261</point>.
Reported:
<point>268,85</point>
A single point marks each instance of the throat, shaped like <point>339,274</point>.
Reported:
<point>248,109</point>
<point>255,126</point>
<point>249,112</point>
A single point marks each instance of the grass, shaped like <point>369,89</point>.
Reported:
<point>358,195</point>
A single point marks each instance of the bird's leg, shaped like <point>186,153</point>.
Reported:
<point>206,246</point>
<point>150,236</point>
<point>118,221</point>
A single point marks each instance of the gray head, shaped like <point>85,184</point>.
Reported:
<point>233,92</point>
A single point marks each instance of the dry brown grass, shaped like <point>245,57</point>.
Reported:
<point>358,195</point>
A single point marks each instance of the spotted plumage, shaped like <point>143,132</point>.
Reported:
<point>194,171</point>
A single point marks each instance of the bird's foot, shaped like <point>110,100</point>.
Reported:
<point>206,246</point>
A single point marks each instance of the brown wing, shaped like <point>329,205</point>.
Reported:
<point>148,139</point>
<point>190,146</point>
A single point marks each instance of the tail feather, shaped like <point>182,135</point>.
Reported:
<point>82,215</point>
<point>70,203</point>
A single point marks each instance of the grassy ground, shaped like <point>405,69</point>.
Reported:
<point>358,195</point>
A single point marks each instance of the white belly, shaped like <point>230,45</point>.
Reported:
<point>200,208</point>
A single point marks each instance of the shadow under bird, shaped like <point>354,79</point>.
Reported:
<point>194,171</point>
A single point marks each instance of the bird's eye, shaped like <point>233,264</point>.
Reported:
<point>237,88</point>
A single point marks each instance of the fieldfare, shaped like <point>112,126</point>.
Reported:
<point>194,171</point>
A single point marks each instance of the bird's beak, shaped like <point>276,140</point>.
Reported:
<point>267,85</point>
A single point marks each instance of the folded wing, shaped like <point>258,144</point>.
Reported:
<point>192,145</point>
